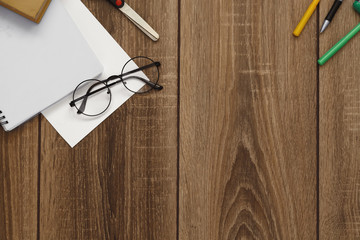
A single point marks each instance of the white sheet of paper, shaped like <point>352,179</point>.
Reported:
<point>70,125</point>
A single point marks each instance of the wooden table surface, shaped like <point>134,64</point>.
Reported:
<point>249,139</point>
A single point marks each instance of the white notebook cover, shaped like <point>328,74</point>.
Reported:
<point>40,63</point>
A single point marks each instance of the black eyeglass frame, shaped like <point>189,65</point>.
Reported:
<point>122,78</point>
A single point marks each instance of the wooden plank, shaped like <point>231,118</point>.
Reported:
<point>340,129</point>
<point>120,182</point>
<point>247,121</point>
<point>19,182</point>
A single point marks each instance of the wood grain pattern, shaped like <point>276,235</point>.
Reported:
<point>19,182</point>
<point>228,150</point>
<point>340,130</point>
<point>247,121</point>
<point>120,182</point>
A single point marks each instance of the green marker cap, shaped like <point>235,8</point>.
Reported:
<point>356,5</point>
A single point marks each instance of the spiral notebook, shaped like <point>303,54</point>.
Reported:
<point>40,63</point>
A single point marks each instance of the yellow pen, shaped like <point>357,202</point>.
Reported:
<point>306,17</point>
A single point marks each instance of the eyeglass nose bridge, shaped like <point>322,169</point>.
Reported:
<point>113,77</point>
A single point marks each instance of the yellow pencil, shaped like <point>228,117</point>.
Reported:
<point>306,17</point>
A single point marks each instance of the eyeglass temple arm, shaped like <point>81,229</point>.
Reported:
<point>82,106</point>
<point>151,84</point>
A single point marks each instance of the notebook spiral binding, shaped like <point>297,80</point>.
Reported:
<point>2,119</point>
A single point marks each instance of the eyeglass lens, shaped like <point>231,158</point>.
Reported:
<point>134,82</point>
<point>96,103</point>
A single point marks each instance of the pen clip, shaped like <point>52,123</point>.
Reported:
<point>139,22</point>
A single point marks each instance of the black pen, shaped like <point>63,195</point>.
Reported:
<point>331,14</point>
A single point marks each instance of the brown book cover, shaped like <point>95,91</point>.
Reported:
<point>31,9</point>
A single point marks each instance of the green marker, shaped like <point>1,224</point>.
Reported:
<point>343,41</point>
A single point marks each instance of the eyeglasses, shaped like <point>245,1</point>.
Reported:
<point>92,97</point>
